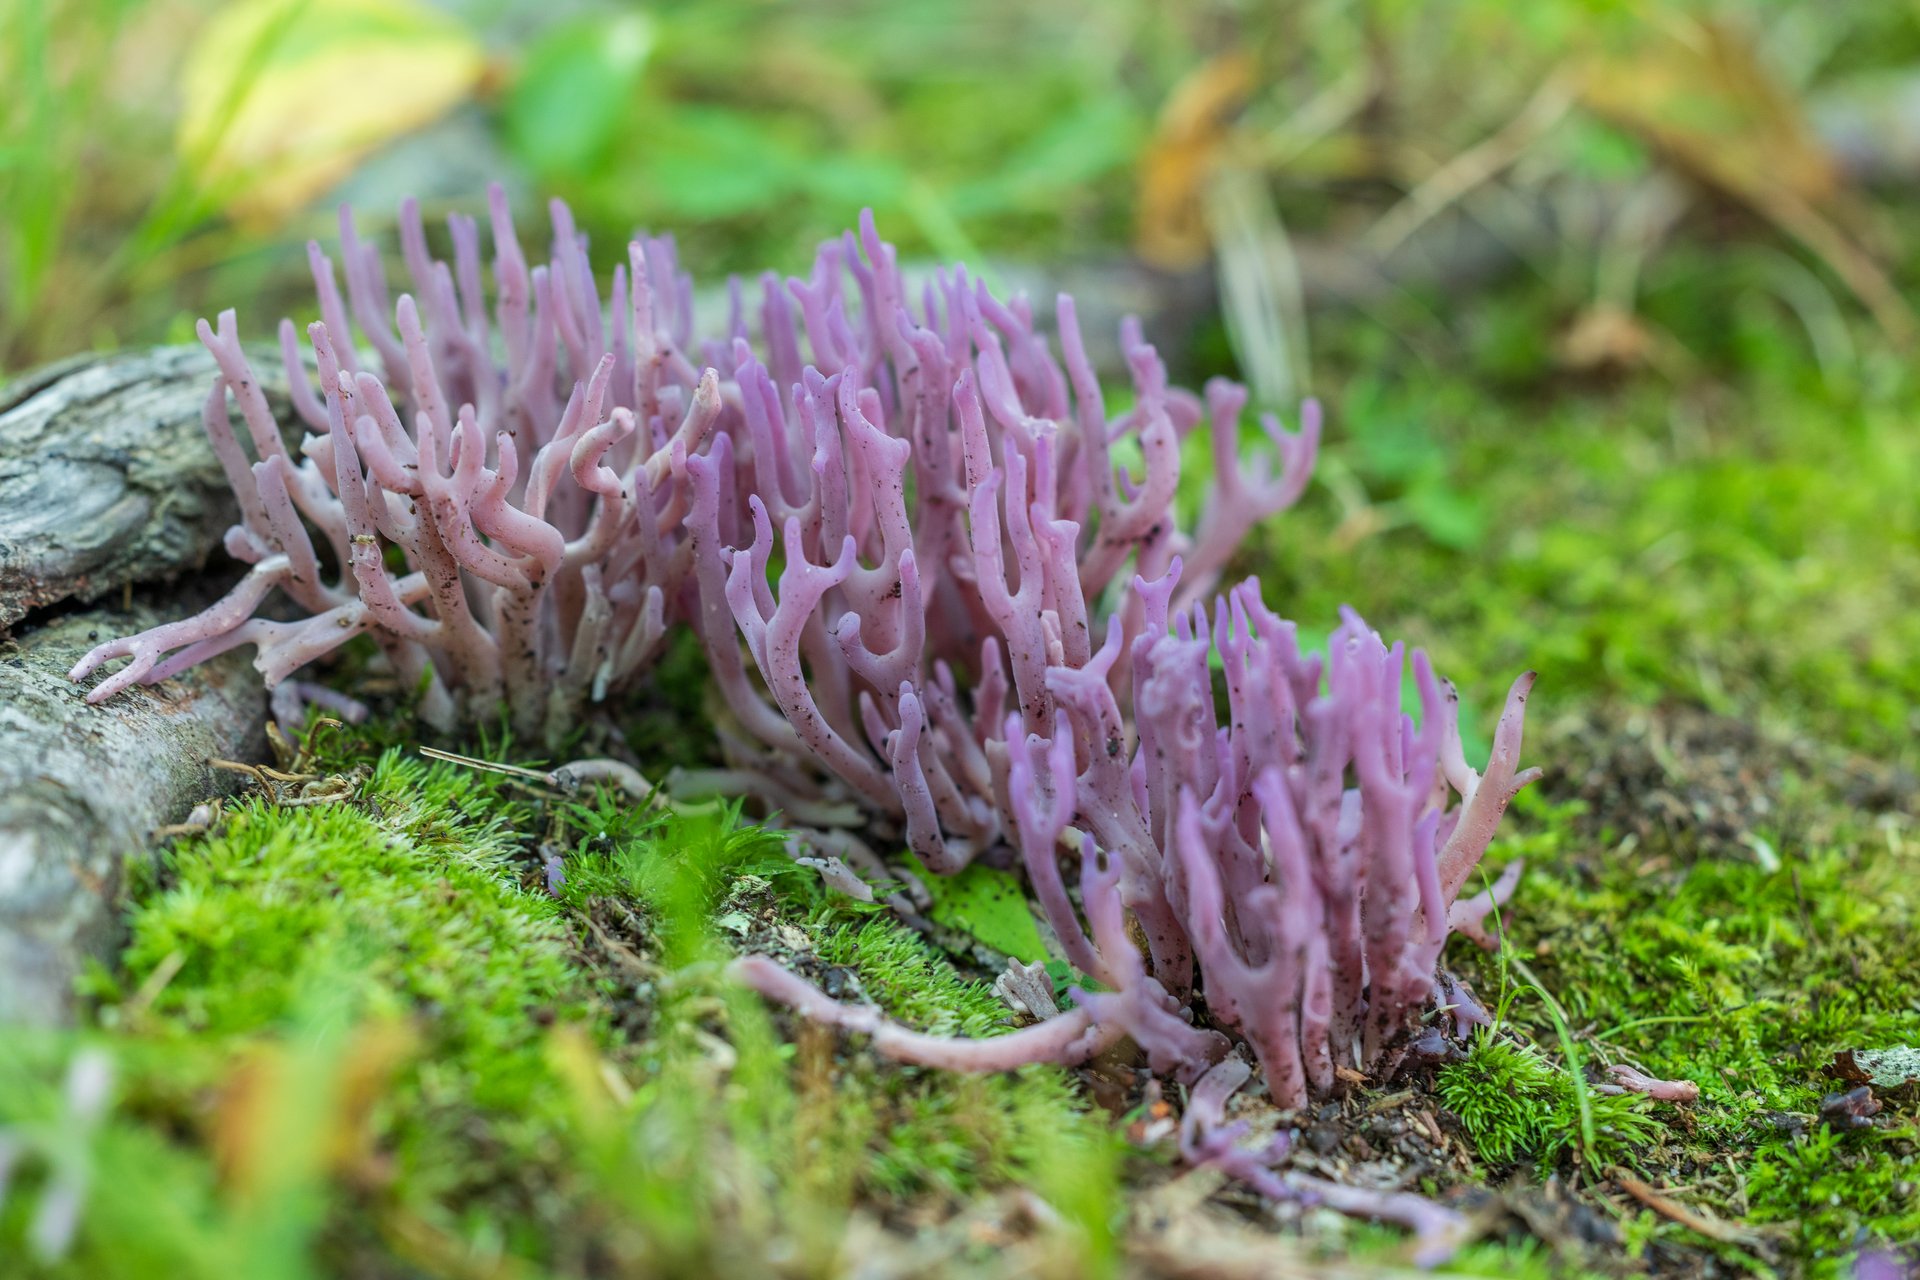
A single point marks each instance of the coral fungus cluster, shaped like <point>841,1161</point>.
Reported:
<point>511,531</point>
<point>1316,907</point>
<point>1309,854</point>
<point>946,601</point>
<point>953,524</point>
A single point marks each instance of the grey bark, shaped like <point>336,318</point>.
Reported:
<point>82,789</point>
<point>106,480</point>
<point>106,476</point>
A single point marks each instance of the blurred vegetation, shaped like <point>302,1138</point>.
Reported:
<point>157,156</point>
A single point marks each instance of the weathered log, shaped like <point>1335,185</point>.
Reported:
<point>106,477</point>
<point>82,789</point>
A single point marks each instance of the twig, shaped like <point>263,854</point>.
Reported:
<point>156,982</point>
<point>1474,166</point>
<point>474,762</point>
<point>1672,1210</point>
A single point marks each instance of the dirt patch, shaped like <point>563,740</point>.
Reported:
<point>1684,782</point>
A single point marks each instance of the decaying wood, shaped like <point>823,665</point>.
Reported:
<point>106,477</point>
<point>82,789</point>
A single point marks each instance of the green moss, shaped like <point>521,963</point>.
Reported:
<point>1743,978</point>
<point>405,906</point>
<point>411,900</point>
<point>960,1133</point>
<point>924,1133</point>
<point>910,979</point>
<point>1749,544</point>
<point>345,1007</point>
<point>359,1036</point>
<point>1517,1104</point>
<point>1838,1192</point>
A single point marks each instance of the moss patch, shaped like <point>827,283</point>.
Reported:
<point>362,1038</point>
<point>1747,544</point>
<point>1744,975</point>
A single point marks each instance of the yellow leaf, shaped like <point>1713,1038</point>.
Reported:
<point>284,97</point>
<point>1170,229</point>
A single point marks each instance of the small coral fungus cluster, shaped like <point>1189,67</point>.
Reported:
<point>945,600</point>
<point>1308,854</point>
<point>512,541</point>
<point>1316,910</point>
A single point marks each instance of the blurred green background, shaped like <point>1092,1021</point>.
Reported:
<point>158,156</point>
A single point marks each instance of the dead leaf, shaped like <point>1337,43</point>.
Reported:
<point>1171,229</point>
<point>1604,336</point>
<point>283,97</point>
<point>1697,93</point>
<point>288,1114</point>
<point>1886,1068</point>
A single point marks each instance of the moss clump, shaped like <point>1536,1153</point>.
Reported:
<point>1748,545</point>
<point>407,903</point>
<point>1743,975</point>
<point>1839,1192</point>
<point>893,1135</point>
<point>362,1038</point>
<point>966,1132</point>
<point>405,908</point>
<point>1516,1104</point>
<point>331,1029</point>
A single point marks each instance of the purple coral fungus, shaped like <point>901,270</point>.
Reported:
<point>989,634</point>
<point>1306,856</point>
<point>952,508</point>
<point>509,530</point>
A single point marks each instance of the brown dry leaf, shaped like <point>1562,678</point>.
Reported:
<point>1170,230</point>
<point>374,1056</point>
<point>1604,336</point>
<point>283,97</point>
<point>241,1115</point>
<point>1696,92</point>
